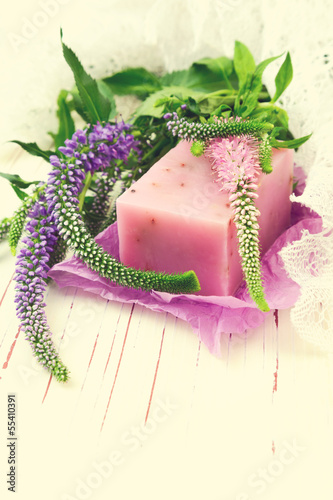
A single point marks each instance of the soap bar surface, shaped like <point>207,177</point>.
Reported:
<point>175,219</point>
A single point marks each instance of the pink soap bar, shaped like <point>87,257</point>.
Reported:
<point>175,219</point>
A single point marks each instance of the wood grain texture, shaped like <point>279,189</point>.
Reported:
<point>149,412</point>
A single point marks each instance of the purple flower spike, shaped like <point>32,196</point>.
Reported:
<point>31,273</point>
<point>52,219</point>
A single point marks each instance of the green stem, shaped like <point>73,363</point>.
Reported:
<point>153,150</point>
<point>82,196</point>
<point>266,105</point>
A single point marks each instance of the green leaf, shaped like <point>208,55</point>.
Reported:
<point>249,92</point>
<point>263,65</point>
<point>17,181</point>
<point>21,194</point>
<point>33,149</point>
<point>273,114</point>
<point>276,132</point>
<point>76,104</point>
<point>135,81</point>
<point>66,123</point>
<point>243,96</point>
<point>161,102</point>
<point>148,108</point>
<point>293,144</point>
<point>193,106</point>
<point>257,79</point>
<point>108,94</point>
<point>282,117</point>
<point>283,78</point>
<point>211,102</point>
<point>178,78</point>
<point>205,75</point>
<point>243,61</point>
<point>217,71</point>
<point>88,200</point>
<point>221,109</point>
<point>96,107</point>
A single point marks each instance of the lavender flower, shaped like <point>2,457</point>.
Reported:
<point>56,219</point>
<point>31,275</point>
<point>97,147</point>
<point>97,213</point>
<point>58,254</point>
<point>64,184</point>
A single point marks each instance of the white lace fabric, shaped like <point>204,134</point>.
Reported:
<point>170,34</point>
<point>309,262</point>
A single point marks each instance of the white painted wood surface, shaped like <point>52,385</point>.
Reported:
<point>149,412</point>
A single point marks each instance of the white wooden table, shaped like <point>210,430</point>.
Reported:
<point>148,411</point>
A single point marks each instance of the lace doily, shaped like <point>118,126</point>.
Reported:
<point>169,35</point>
<point>309,262</point>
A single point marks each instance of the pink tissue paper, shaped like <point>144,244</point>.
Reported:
<point>209,316</point>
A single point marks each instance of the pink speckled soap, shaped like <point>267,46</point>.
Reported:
<point>175,219</point>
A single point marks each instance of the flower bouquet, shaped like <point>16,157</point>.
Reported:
<point>222,106</point>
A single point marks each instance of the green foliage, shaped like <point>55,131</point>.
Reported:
<point>209,87</point>
<point>155,104</point>
<point>243,62</point>
<point>97,107</point>
<point>283,78</point>
<point>133,81</point>
<point>17,181</point>
<point>33,149</point>
<point>21,194</point>
<point>75,104</point>
<point>247,98</point>
<point>205,75</point>
<point>108,94</point>
<point>66,123</point>
<point>292,144</point>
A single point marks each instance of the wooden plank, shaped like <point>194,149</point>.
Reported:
<point>143,386</point>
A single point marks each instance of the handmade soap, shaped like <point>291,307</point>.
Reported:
<point>176,219</point>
